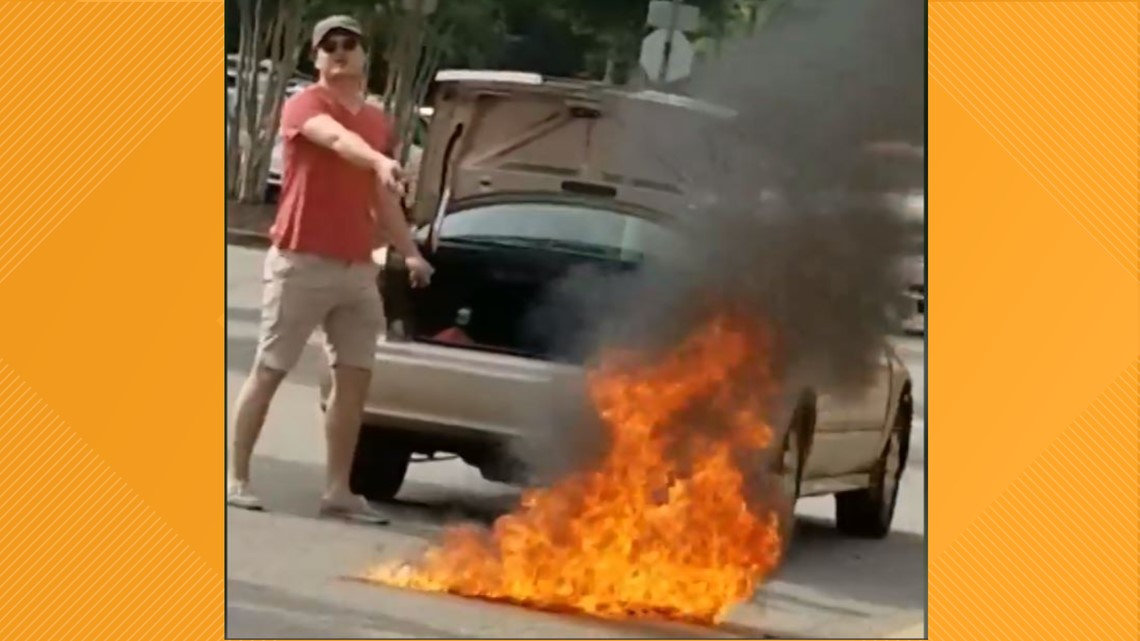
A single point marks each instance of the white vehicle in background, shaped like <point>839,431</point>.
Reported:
<point>914,320</point>
<point>297,82</point>
<point>906,159</point>
<point>912,207</point>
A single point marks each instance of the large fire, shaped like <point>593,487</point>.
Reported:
<point>661,526</point>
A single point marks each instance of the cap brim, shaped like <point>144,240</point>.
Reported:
<point>321,35</point>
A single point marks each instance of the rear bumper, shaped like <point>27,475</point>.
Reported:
<point>451,393</point>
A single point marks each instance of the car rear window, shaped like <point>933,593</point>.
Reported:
<point>614,233</point>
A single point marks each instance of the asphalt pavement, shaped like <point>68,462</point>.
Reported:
<point>289,574</point>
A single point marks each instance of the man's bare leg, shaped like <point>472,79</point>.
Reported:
<point>249,416</point>
<point>342,426</point>
<point>342,429</point>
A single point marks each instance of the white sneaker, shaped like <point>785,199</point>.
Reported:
<point>355,509</point>
<point>238,495</point>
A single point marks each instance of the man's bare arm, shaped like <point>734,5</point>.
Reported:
<point>390,220</point>
<point>327,132</point>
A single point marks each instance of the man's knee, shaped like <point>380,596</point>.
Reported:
<point>269,372</point>
<point>350,385</point>
<point>266,377</point>
<point>260,387</point>
<point>354,375</point>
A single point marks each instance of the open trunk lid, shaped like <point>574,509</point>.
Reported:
<point>520,133</point>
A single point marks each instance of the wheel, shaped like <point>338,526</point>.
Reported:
<point>790,465</point>
<point>790,471</point>
<point>378,466</point>
<point>868,512</point>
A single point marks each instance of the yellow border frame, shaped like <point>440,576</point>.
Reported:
<point>112,276</point>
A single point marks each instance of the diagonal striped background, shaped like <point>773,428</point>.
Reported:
<point>112,365</point>
<point>1054,554</point>
<point>1034,320</point>
<point>1054,84</point>
<point>92,87</point>
<point>111,361</point>
<point>96,561</point>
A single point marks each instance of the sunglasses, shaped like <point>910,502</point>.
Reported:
<point>342,43</point>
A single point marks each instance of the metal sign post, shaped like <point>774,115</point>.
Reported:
<point>672,31</point>
<point>666,54</point>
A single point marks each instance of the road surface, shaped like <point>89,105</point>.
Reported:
<point>287,570</point>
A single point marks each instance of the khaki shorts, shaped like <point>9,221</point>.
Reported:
<point>303,292</point>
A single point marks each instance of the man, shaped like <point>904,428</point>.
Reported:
<point>339,187</point>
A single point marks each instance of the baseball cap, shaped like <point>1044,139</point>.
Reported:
<point>332,23</point>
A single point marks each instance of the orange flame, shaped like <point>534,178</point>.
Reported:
<point>654,529</point>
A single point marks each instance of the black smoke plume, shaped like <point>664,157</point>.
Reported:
<point>789,220</point>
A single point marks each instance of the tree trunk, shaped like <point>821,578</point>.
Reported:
<point>274,34</point>
<point>252,48</point>
<point>406,68</point>
<point>608,78</point>
<point>255,157</point>
<point>397,47</point>
<point>236,146</point>
<point>292,42</point>
<point>285,32</point>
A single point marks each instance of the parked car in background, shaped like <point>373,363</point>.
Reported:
<point>517,189</point>
<point>912,208</point>
<point>913,318</point>
<point>900,166</point>
<point>264,69</point>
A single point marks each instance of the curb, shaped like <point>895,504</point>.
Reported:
<point>244,238</point>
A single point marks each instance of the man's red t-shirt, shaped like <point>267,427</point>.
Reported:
<point>326,202</point>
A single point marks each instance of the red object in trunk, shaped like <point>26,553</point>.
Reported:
<point>454,335</point>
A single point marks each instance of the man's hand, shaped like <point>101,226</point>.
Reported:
<point>419,270</point>
<point>391,175</point>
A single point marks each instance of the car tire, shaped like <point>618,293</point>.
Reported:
<point>790,470</point>
<point>868,513</point>
<point>379,465</point>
